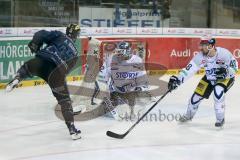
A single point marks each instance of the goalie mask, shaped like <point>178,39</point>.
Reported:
<point>124,48</point>
<point>73,31</point>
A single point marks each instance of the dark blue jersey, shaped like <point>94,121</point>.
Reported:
<point>60,48</point>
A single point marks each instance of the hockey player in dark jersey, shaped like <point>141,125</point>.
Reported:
<point>52,63</point>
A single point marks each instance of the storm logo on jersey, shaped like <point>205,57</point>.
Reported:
<point>210,71</point>
<point>126,75</point>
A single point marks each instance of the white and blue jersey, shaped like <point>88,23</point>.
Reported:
<point>223,58</point>
<point>122,75</point>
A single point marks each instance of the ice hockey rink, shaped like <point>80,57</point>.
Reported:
<point>30,130</point>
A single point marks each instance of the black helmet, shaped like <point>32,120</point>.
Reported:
<point>73,31</point>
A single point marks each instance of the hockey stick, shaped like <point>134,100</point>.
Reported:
<point>121,136</point>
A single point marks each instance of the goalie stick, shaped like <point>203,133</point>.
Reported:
<point>121,136</point>
<point>111,108</point>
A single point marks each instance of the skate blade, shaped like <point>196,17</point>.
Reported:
<point>8,89</point>
<point>76,136</point>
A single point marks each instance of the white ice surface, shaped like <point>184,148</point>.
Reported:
<point>29,129</point>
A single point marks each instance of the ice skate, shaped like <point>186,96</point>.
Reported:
<point>74,132</point>
<point>184,119</point>
<point>220,123</point>
<point>12,84</point>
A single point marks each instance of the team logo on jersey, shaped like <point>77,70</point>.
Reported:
<point>210,71</point>
<point>126,75</point>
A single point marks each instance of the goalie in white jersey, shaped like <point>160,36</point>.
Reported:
<point>126,76</point>
<point>220,67</point>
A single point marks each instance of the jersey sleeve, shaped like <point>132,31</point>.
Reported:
<point>193,66</point>
<point>232,63</point>
<point>44,36</point>
<point>233,66</point>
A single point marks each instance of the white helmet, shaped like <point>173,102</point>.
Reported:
<point>208,40</point>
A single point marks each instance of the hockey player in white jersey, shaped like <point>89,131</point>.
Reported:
<point>126,77</point>
<point>220,68</point>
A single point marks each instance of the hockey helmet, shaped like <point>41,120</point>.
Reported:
<point>207,40</point>
<point>124,48</point>
<point>73,31</point>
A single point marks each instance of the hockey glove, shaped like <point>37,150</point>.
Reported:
<point>221,73</point>
<point>173,83</point>
<point>33,47</point>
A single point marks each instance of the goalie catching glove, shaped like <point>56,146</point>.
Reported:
<point>173,83</point>
<point>221,73</point>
